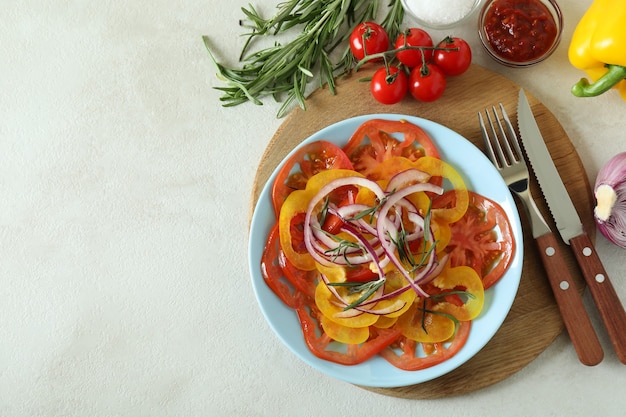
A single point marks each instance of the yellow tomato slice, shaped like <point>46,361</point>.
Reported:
<point>390,167</point>
<point>466,280</point>
<point>327,303</point>
<point>438,168</point>
<point>396,281</point>
<point>344,334</point>
<point>385,322</point>
<point>296,204</point>
<point>425,327</point>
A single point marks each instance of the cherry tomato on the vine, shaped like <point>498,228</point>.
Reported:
<point>414,37</point>
<point>453,62</point>
<point>427,83</point>
<point>389,85</point>
<point>368,38</point>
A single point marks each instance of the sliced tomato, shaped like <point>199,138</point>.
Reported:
<point>307,161</point>
<point>344,334</point>
<point>378,140</point>
<point>321,346</point>
<point>303,281</point>
<point>412,358</point>
<point>360,274</point>
<point>466,289</point>
<point>293,211</point>
<point>273,275</point>
<point>482,239</point>
<point>455,207</point>
<point>327,305</point>
<point>424,326</point>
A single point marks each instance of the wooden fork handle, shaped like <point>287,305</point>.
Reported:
<point>569,301</point>
<point>604,296</point>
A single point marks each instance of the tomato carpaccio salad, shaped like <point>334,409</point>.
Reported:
<point>380,248</point>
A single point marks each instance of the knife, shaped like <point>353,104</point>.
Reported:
<point>571,229</point>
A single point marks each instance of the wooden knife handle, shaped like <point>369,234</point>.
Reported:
<point>570,303</point>
<point>606,299</point>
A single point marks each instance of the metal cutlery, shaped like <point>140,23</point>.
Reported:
<point>505,153</point>
<point>571,229</point>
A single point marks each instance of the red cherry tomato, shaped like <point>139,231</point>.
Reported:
<point>453,62</point>
<point>368,38</point>
<point>389,87</point>
<point>427,83</point>
<point>414,37</point>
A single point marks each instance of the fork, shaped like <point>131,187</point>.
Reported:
<point>505,153</point>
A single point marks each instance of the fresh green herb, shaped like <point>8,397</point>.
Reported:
<point>324,211</point>
<point>454,292</point>
<point>440,313</point>
<point>370,211</point>
<point>405,254</point>
<point>393,19</point>
<point>342,248</point>
<point>366,288</point>
<point>284,71</point>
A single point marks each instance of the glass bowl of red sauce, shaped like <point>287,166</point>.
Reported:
<point>520,33</point>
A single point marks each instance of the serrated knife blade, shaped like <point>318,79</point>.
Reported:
<point>561,207</point>
<point>571,229</point>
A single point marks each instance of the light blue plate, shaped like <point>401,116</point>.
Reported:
<point>480,176</point>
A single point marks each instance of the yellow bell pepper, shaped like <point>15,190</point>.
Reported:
<point>598,47</point>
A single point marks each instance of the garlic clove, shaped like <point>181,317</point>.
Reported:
<point>605,200</point>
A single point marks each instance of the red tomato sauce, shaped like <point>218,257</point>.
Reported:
<point>520,30</point>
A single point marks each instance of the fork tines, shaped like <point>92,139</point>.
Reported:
<point>502,145</point>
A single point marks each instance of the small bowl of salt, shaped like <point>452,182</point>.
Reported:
<point>440,14</point>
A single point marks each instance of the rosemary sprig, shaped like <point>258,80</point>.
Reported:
<point>342,248</point>
<point>440,313</point>
<point>284,71</point>
<point>394,19</point>
<point>454,292</point>
<point>366,288</point>
<point>324,211</point>
<point>371,210</point>
<point>405,254</point>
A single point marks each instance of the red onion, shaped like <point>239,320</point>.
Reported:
<point>610,193</point>
<point>376,232</point>
<point>405,178</point>
<point>388,235</point>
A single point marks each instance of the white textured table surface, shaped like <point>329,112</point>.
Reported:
<point>124,209</point>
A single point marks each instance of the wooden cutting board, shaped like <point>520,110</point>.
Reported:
<point>534,320</point>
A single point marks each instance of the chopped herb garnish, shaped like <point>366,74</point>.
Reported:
<point>370,211</point>
<point>366,288</point>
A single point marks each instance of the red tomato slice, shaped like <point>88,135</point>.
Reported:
<point>272,272</point>
<point>374,142</point>
<point>354,354</point>
<point>360,274</point>
<point>412,360</point>
<point>307,161</point>
<point>475,241</point>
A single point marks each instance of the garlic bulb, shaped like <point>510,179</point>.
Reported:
<point>610,193</point>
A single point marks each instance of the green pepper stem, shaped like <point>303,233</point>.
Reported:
<point>584,88</point>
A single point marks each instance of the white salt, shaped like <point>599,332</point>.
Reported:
<point>440,12</point>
